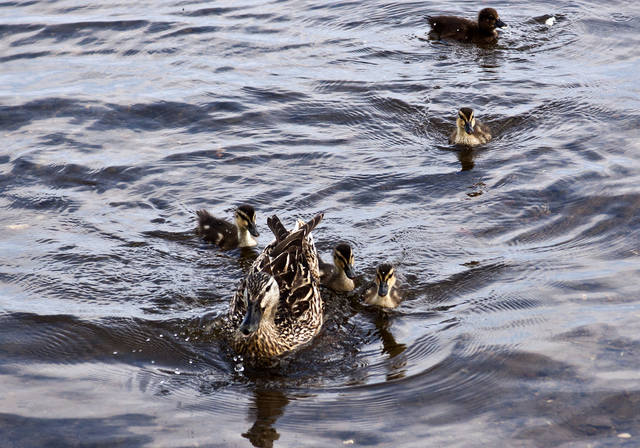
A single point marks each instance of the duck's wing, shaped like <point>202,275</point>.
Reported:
<point>452,137</point>
<point>293,261</point>
<point>451,27</point>
<point>215,230</point>
<point>284,238</point>
<point>484,130</point>
<point>326,271</point>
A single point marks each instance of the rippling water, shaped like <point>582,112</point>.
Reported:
<point>519,260</point>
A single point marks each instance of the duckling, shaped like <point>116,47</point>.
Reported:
<point>278,306</point>
<point>468,131</point>
<point>226,235</point>
<point>339,276</point>
<point>458,28</point>
<point>383,293</point>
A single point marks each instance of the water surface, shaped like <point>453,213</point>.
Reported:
<point>519,260</point>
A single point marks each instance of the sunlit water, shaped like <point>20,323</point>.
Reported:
<point>519,260</point>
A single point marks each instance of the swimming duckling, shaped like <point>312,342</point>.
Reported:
<point>458,28</point>
<point>468,131</point>
<point>226,235</point>
<point>383,293</point>
<point>339,275</point>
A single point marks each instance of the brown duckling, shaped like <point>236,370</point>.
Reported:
<point>465,30</point>
<point>226,235</point>
<point>468,131</point>
<point>383,293</point>
<point>339,275</point>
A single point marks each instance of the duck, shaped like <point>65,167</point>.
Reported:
<point>465,30</point>
<point>384,292</point>
<point>339,275</point>
<point>278,308</point>
<point>226,235</point>
<point>468,131</point>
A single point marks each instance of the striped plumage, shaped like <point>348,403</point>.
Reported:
<point>226,235</point>
<point>469,131</point>
<point>278,306</point>
<point>339,275</point>
<point>384,292</point>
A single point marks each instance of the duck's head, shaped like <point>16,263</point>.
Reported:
<point>246,219</point>
<point>343,259</point>
<point>466,121</point>
<point>261,296</point>
<point>488,19</point>
<point>385,279</point>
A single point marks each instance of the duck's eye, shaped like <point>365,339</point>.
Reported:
<point>268,287</point>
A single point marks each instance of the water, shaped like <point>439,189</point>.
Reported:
<point>518,260</point>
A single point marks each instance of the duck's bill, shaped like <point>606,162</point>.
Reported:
<point>253,230</point>
<point>349,272</point>
<point>468,128</point>
<point>500,24</point>
<point>383,289</point>
<point>251,320</point>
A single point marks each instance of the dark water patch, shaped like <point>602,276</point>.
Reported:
<point>117,430</point>
<point>60,139</point>
<point>72,176</point>
<point>192,30</point>
<point>43,202</point>
<point>66,31</point>
<point>274,95</point>
<point>152,116</point>
<point>32,55</point>
<point>159,27</point>
<point>15,117</point>
<point>203,12</point>
<point>465,282</point>
<point>23,4</point>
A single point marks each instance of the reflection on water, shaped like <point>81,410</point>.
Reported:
<point>391,347</point>
<point>268,405</point>
<point>466,156</point>
<point>118,122</point>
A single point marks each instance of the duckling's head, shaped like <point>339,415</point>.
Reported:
<point>343,259</point>
<point>466,120</point>
<point>385,279</point>
<point>261,296</point>
<point>246,219</point>
<point>488,19</point>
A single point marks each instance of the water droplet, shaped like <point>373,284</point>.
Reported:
<point>186,340</point>
<point>115,353</point>
<point>177,371</point>
<point>238,368</point>
<point>148,339</point>
<point>161,336</point>
<point>190,361</point>
<point>153,362</point>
